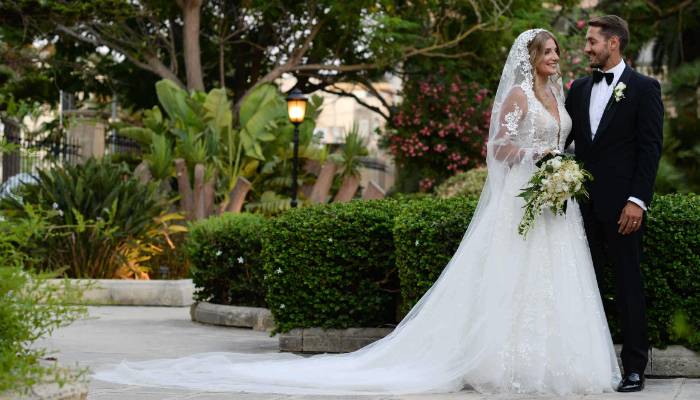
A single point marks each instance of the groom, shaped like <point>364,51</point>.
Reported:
<point>617,129</point>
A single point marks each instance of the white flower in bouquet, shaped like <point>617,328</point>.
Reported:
<point>559,178</point>
<point>555,163</point>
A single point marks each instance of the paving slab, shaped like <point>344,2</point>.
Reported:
<point>115,333</point>
<point>176,293</point>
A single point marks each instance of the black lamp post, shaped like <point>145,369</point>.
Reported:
<point>296,109</point>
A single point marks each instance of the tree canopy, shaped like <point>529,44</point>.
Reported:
<point>122,47</point>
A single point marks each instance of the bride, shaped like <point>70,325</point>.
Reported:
<point>506,314</point>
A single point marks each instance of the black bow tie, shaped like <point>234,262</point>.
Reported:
<point>598,76</point>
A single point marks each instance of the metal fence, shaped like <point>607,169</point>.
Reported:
<point>116,144</point>
<point>36,153</point>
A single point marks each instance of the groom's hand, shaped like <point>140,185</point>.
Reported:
<point>631,218</point>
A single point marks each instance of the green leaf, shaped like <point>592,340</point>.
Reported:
<point>178,105</point>
<point>217,110</point>
<point>144,136</point>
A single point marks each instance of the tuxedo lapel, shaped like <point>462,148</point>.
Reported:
<point>587,88</point>
<point>612,105</point>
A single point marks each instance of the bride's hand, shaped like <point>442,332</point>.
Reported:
<point>540,154</point>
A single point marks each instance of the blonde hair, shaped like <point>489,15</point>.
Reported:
<point>536,50</point>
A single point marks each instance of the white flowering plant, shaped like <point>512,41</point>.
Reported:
<point>559,177</point>
<point>619,91</point>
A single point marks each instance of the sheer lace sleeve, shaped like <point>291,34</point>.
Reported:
<point>505,146</point>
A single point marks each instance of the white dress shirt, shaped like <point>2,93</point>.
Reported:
<point>600,95</point>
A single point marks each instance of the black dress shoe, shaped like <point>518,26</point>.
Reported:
<point>632,382</point>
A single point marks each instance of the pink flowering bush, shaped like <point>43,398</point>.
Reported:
<point>574,62</point>
<point>440,129</point>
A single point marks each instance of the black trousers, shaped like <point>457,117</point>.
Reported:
<point>623,252</point>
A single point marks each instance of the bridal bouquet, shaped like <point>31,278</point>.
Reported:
<point>558,178</point>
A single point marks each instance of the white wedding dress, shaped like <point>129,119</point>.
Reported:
<point>506,315</point>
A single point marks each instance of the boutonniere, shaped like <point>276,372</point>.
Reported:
<point>619,91</point>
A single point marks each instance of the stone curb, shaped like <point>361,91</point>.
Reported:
<point>257,318</point>
<point>673,361</point>
<point>169,293</point>
<point>318,340</point>
<point>53,392</point>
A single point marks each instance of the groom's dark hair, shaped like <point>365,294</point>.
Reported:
<point>612,25</point>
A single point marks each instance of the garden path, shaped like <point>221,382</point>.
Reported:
<point>112,334</point>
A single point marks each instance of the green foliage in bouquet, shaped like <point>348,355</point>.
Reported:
<point>226,264</point>
<point>559,177</point>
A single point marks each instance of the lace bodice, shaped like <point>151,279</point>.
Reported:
<point>545,131</point>
<point>527,129</point>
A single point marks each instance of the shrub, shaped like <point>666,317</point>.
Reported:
<point>118,222</point>
<point>681,153</point>
<point>440,129</point>
<point>427,234</point>
<point>225,255</point>
<point>332,266</point>
<point>203,129</point>
<point>468,183</point>
<point>671,266</point>
<point>30,309</point>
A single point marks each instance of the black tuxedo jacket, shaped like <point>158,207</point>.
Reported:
<point>624,156</point>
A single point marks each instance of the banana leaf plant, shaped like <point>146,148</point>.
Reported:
<point>211,151</point>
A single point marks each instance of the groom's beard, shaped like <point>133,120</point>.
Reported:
<point>598,61</point>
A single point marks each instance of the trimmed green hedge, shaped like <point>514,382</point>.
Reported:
<point>426,235</point>
<point>670,264</point>
<point>339,265</point>
<point>465,184</point>
<point>226,262</point>
<point>671,267</point>
<point>332,266</point>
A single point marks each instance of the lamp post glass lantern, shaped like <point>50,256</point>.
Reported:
<point>296,110</point>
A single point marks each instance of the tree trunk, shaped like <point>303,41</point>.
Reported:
<point>210,194</point>
<point>319,194</point>
<point>347,189</point>
<point>237,195</point>
<point>191,11</point>
<point>199,202</point>
<point>373,192</point>
<point>143,172</point>
<point>183,185</point>
<point>222,65</point>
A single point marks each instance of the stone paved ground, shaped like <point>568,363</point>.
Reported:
<point>112,334</point>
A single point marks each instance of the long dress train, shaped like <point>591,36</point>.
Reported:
<point>507,314</point>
